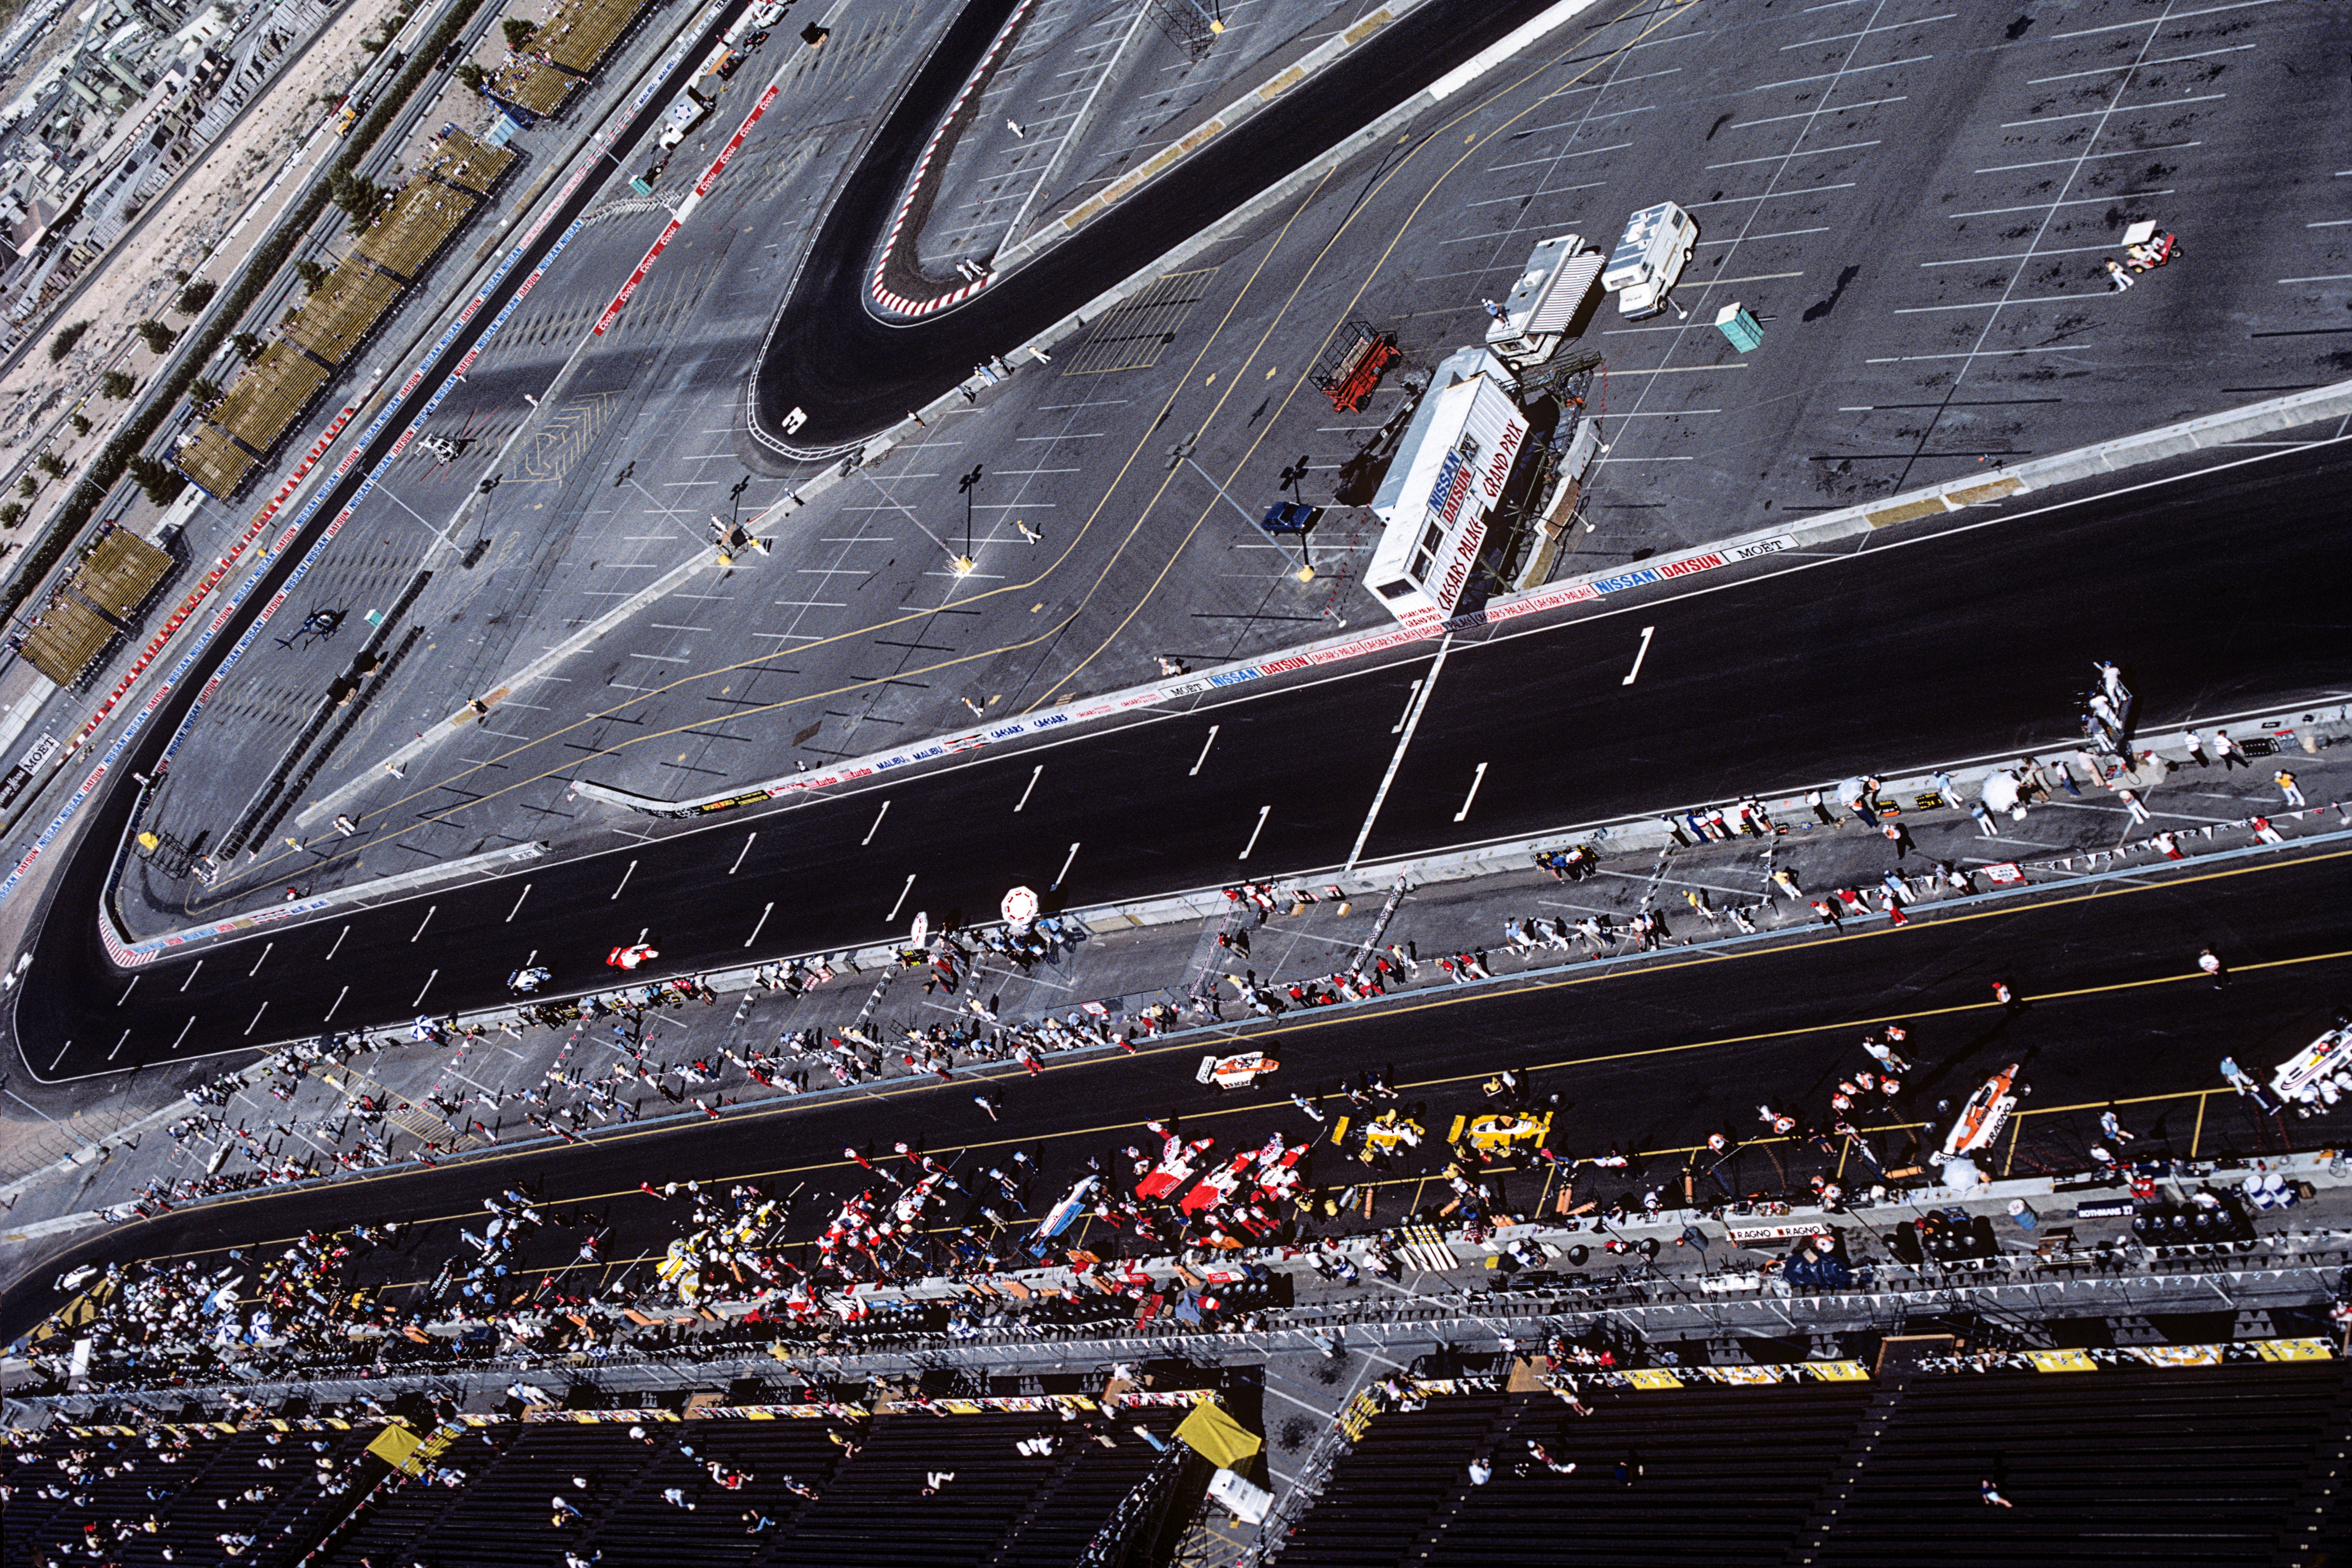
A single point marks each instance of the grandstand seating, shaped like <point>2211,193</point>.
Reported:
<point>1736,1496</point>
<point>2174,1465</point>
<point>1003,1508</point>
<point>2205,1466</point>
<point>1031,1510</point>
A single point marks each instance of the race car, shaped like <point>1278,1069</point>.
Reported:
<point>1219,1185</point>
<point>1982,1118</point>
<point>2316,1073</point>
<point>631,956</point>
<point>1063,1215</point>
<point>1179,1162</point>
<point>1237,1071</point>
<point>1388,1133</point>
<point>1277,1177</point>
<point>1498,1133</point>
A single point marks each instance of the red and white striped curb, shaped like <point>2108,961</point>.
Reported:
<point>898,304</point>
<point>684,210</point>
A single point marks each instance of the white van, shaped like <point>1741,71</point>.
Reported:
<point>1650,258</point>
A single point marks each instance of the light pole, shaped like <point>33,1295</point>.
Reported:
<point>1291,479</point>
<point>1182,452</point>
<point>967,483</point>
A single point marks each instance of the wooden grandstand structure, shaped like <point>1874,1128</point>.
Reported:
<point>221,449</point>
<point>566,50</point>
<point>95,603</point>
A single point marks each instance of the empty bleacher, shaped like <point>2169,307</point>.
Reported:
<point>484,1493</point>
<point>1002,1507</point>
<point>2180,1466</point>
<point>1726,1475</point>
<point>2235,1464</point>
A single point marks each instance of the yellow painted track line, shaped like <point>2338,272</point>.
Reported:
<point>1448,999</point>
<point>1045,634</point>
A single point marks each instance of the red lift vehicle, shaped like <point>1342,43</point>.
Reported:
<point>1354,369</point>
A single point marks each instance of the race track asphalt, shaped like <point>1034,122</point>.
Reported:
<point>855,372</point>
<point>1926,647</point>
<point>1649,1057</point>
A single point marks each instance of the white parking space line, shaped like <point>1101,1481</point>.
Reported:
<point>1755,278</point>
<point>1807,152</point>
<point>1662,414</point>
<point>2167,19</point>
<point>2096,157</point>
<point>2051,206</point>
<point>2017,255</point>
<point>1766,196</point>
<point>1560,191</point>
<point>1753,238</point>
<point>1072,436</point>
<point>1889,27</point>
<point>2095,113</point>
<point>2329,223</point>
<point>1560,157</point>
<point>2323,277</point>
<point>1991,304</point>
<point>1809,113</point>
<point>1833,75</point>
<point>1612,114</point>
<point>1980,353</point>
<point>2139,65</point>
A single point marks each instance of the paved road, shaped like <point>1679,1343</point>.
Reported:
<point>855,374</point>
<point>1649,1057</point>
<point>1926,647</point>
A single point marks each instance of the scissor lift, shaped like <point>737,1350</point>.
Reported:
<point>1356,365</point>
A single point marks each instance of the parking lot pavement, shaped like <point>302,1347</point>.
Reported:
<point>1917,203</point>
<point>1914,203</point>
<point>1082,91</point>
<point>472,1094</point>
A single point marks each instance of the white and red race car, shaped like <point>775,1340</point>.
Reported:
<point>2316,1073</point>
<point>1179,1162</point>
<point>1220,1184</point>
<point>1237,1071</point>
<point>1982,1118</point>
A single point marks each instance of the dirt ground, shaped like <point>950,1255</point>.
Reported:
<point>135,281</point>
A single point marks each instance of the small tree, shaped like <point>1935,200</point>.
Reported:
<point>310,273</point>
<point>156,335</point>
<point>520,31</point>
<point>247,345</point>
<point>204,391</point>
<point>63,343</point>
<point>28,487</point>
<point>11,515</point>
<point>114,384</point>
<point>195,296</point>
<point>51,464</point>
<point>159,481</point>
<point>355,196</point>
<point>79,422</point>
<point>470,76</point>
